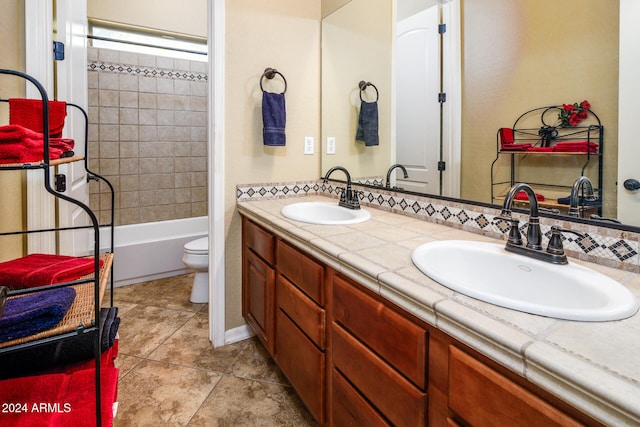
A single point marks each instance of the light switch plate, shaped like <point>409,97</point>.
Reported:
<point>308,145</point>
<point>331,145</point>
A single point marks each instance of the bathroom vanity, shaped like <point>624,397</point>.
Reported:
<point>365,339</point>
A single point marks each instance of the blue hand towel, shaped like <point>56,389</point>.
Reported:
<point>368,124</point>
<point>33,313</point>
<point>55,355</point>
<point>274,118</point>
<point>109,323</point>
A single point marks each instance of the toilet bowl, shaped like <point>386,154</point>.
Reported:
<point>196,257</point>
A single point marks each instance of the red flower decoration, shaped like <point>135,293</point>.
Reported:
<point>573,114</point>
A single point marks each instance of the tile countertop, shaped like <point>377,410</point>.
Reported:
<point>595,366</point>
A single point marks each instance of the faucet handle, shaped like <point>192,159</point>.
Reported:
<point>555,246</point>
<point>353,199</point>
<point>515,238</point>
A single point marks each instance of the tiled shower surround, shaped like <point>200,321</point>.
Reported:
<point>607,246</point>
<point>148,135</point>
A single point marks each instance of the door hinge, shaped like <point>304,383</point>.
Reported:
<point>442,97</point>
<point>442,28</point>
<point>58,51</point>
<point>60,183</point>
<point>442,166</point>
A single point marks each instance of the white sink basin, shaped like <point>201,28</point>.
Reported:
<point>326,213</point>
<point>487,272</point>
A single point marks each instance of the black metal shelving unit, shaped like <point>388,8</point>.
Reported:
<point>92,326</point>
<point>538,128</point>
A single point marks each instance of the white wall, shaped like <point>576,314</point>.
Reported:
<point>184,16</point>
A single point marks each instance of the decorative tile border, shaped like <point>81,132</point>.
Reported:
<point>275,190</point>
<point>374,180</point>
<point>141,70</point>
<point>606,246</point>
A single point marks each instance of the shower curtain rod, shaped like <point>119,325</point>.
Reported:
<point>108,39</point>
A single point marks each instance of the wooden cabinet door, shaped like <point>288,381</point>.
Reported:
<point>389,392</point>
<point>350,408</point>
<point>306,273</point>
<point>400,342</point>
<point>303,363</point>
<point>483,397</point>
<point>258,298</point>
<point>306,314</point>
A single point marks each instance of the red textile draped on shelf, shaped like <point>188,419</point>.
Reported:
<point>61,399</point>
<point>28,113</point>
<point>43,269</point>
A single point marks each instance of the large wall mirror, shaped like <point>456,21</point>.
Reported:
<point>513,57</point>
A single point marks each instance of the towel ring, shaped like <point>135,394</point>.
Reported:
<point>363,85</point>
<point>270,73</point>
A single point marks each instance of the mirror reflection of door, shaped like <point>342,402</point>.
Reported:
<point>417,106</point>
<point>628,148</point>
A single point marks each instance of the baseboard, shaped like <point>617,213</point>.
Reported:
<point>149,277</point>
<point>237,334</point>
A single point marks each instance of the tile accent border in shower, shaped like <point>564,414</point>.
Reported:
<point>146,71</point>
<point>613,248</point>
<point>148,135</point>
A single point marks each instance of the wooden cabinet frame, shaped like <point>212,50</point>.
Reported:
<point>445,382</point>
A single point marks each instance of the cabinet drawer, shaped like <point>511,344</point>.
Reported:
<point>305,313</point>
<point>302,363</point>
<point>396,339</point>
<point>258,299</point>
<point>301,270</point>
<point>483,397</point>
<point>260,240</point>
<point>393,395</point>
<point>349,408</point>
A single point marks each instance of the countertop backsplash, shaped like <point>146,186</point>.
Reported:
<point>602,245</point>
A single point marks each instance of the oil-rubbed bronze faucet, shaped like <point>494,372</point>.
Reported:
<point>348,196</point>
<point>534,236</point>
<point>397,165</point>
<point>554,252</point>
<point>581,182</point>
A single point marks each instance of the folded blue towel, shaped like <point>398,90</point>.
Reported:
<point>33,313</point>
<point>40,359</point>
<point>109,323</point>
<point>274,118</point>
<point>368,124</point>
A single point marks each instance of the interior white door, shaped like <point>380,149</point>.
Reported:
<point>40,211</point>
<point>628,147</point>
<point>417,106</point>
<point>72,87</point>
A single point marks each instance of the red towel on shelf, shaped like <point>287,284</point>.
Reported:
<point>521,195</point>
<point>19,144</point>
<point>506,136</point>
<point>507,141</point>
<point>65,399</point>
<point>540,149</point>
<point>28,113</point>
<point>577,147</point>
<point>43,269</point>
<point>516,147</point>
<point>63,144</point>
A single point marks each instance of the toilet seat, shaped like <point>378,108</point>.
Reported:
<point>197,247</point>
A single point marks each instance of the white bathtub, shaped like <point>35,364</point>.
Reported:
<point>152,250</point>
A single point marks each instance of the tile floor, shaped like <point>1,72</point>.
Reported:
<point>171,376</point>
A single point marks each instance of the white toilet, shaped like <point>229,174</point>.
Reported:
<point>196,257</point>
